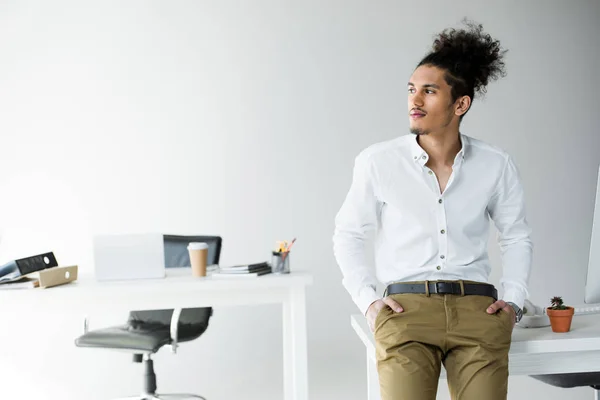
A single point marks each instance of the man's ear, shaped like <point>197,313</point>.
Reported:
<point>462,105</point>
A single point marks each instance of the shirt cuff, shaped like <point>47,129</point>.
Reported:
<point>515,295</point>
<point>365,298</point>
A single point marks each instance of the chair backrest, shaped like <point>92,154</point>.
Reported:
<point>192,321</point>
<point>177,255</point>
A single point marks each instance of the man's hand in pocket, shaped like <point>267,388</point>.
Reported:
<point>377,306</point>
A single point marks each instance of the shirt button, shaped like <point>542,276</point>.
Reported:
<point>438,267</point>
<point>440,201</point>
<point>416,157</point>
<point>442,257</point>
<point>424,157</point>
<point>443,231</point>
<point>430,172</point>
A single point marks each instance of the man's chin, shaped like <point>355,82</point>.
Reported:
<point>418,131</point>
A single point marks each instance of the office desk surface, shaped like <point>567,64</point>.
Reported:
<point>535,350</point>
<point>178,289</point>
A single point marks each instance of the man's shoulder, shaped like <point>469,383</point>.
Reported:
<point>486,149</point>
<point>380,149</point>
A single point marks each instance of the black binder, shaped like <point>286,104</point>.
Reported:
<point>17,268</point>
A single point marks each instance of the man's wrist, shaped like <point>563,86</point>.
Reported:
<point>517,309</point>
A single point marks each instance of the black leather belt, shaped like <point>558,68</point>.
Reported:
<point>444,287</point>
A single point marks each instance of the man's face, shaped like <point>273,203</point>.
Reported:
<point>430,104</point>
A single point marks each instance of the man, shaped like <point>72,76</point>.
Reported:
<point>430,196</point>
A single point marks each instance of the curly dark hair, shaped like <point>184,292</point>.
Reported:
<point>470,57</point>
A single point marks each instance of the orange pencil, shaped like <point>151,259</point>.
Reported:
<point>287,250</point>
<point>291,244</point>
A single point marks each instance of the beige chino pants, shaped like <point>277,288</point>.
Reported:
<point>452,330</point>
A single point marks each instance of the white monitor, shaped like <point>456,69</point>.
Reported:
<point>592,286</point>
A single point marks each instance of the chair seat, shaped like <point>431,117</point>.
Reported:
<point>136,336</point>
<point>570,380</point>
<point>124,337</point>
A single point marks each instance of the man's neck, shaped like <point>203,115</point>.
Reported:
<point>441,148</point>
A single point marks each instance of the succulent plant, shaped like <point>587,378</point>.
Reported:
<point>557,303</point>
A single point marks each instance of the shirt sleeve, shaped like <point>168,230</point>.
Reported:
<point>354,224</point>
<point>507,210</point>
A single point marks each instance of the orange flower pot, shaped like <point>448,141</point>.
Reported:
<point>560,320</point>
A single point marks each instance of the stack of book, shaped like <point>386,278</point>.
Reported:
<point>21,283</point>
<point>243,271</point>
<point>45,278</point>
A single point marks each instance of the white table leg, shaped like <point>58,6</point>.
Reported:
<point>372,378</point>
<point>295,360</point>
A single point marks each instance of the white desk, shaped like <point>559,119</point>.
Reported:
<point>534,351</point>
<point>180,289</point>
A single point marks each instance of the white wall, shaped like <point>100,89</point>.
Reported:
<point>242,119</point>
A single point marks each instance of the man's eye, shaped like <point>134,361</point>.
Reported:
<point>411,90</point>
<point>429,92</point>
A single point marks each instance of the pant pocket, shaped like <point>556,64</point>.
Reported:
<point>381,316</point>
<point>507,318</point>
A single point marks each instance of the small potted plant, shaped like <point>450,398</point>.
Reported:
<point>560,315</point>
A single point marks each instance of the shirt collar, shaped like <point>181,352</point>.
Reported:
<point>464,140</point>
<point>421,157</point>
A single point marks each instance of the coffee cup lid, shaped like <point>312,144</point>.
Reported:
<point>197,246</point>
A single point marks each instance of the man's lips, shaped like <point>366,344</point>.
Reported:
<point>417,114</point>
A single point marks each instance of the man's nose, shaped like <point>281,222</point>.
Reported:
<point>417,100</point>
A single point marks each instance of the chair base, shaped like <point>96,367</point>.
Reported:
<point>157,396</point>
<point>149,391</point>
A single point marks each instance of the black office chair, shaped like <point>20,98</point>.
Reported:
<point>573,380</point>
<point>147,331</point>
<point>177,255</point>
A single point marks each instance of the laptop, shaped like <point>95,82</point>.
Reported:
<point>129,256</point>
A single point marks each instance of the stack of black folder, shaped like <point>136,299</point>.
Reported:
<point>245,270</point>
<point>17,269</point>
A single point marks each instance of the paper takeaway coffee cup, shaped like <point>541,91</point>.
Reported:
<point>198,257</point>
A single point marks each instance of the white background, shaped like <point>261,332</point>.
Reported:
<point>242,119</point>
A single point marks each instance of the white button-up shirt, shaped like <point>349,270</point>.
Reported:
<point>422,234</point>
